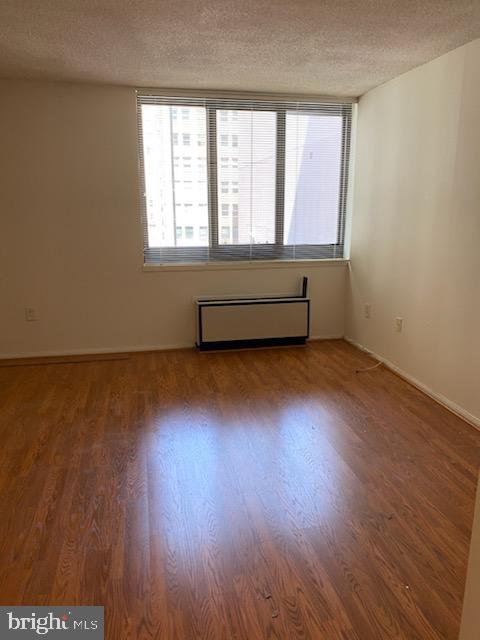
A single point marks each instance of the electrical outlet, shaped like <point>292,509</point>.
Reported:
<point>367,310</point>
<point>30,314</point>
<point>398,324</point>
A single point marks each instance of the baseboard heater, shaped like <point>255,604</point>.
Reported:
<point>253,321</point>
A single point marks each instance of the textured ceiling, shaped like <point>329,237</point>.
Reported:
<point>329,47</point>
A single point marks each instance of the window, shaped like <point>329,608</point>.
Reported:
<point>276,172</point>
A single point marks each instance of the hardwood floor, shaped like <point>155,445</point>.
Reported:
<point>242,495</point>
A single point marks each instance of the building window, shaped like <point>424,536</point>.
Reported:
<point>289,198</point>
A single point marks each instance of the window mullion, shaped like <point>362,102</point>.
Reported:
<point>280,178</point>
<point>212,176</point>
<point>345,155</point>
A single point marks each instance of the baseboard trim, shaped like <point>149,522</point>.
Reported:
<point>118,350</point>
<point>459,411</point>
<point>88,352</point>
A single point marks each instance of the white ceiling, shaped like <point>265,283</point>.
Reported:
<point>329,47</point>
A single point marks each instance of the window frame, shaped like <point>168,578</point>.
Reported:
<point>277,251</point>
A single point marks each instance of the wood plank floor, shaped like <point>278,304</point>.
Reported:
<point>242,495</point>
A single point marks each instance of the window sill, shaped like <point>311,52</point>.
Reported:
<point>239,266</point>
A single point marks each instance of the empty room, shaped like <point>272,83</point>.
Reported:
<point>239,319</point>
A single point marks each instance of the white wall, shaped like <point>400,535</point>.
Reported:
<point>70,234</point>
<point>416,226</point>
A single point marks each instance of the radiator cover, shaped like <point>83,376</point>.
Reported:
<point>247,322</point>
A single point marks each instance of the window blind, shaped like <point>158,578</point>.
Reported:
<point>231,179</point>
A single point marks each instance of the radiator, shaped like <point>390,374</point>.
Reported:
<point>249,321</point>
